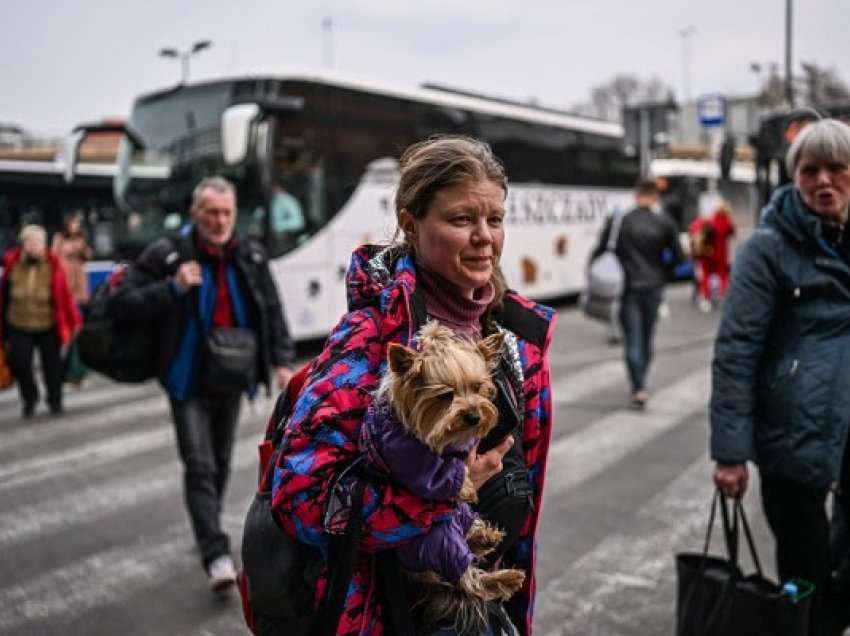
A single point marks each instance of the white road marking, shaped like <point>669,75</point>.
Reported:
<point>628,578</point>
<point>109,577</point>
<point>102,578</point>
<point>107,499</point>
<point>575,386</point>
<point>73,425</point>
<point>575,458</point>
<point>86,456</point>
<point>84,398</point>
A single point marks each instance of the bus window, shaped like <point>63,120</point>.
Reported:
<point>287,214</point>
<point>297,204</point>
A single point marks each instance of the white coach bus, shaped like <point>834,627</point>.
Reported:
<point>314,160</point>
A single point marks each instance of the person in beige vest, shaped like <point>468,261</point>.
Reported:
<point>70,247</point>
<point>36,311</point>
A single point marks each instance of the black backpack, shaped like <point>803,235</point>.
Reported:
<point>122,351</point>
<point>279,574</point>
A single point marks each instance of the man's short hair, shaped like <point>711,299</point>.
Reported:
<point>217,183</point>
<point>647,187</point>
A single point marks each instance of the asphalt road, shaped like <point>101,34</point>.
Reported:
<point>94,539</point>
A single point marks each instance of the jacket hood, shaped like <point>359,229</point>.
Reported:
<point>374,271</point>
<point>787,213</point>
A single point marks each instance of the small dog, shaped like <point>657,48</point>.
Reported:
<point>442,394</point>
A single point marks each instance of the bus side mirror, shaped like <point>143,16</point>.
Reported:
<point>236,131</point>
<point>72,152</point>
<point>71,146</point>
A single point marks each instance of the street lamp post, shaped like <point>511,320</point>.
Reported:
<point>184,56</point>
<point>327,31</point>
<point>789,85</point>
<point>686,34</point>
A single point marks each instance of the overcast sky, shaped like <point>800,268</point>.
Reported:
<point>63,62</point>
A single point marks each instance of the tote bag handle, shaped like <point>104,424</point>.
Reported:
<point>731,534</point>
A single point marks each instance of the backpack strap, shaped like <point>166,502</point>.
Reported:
<point>616,224</point>
<point>343,558</point>
<point>394,595</point>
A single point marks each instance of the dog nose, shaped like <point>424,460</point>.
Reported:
<point>471,418</point>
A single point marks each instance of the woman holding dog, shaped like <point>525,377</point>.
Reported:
<point>445,267</point>
<point>781,369</point>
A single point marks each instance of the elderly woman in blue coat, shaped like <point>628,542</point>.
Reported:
<point>781,370</point>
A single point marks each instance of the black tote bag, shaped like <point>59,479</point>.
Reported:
<point>715,598</point>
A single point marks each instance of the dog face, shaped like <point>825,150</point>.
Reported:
<point>442,392</point>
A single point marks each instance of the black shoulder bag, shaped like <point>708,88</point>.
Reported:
<point>715,598</point>
<point>228,360</point>
<point>506,498</point>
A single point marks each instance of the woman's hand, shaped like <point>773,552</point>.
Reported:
<point>484,466</point>
<point>731,479</point>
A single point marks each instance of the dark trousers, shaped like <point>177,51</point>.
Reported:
<point>797,517</point>
<point>206,429</point>
<point>638,314</point>
<point>20,350</point>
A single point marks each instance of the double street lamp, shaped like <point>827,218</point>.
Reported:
<point>184,56</point>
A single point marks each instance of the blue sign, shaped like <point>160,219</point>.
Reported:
<point>711,110</point>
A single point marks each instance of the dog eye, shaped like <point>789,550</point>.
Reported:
<point>447,396</point>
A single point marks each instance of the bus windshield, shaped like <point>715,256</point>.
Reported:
<point>279,183</point>
<point>180,131</point>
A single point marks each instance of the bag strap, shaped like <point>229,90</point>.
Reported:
<point>343,558</point>
<point>395,597</point>
<point>723,603</point>
<point>616,224</point>
<point>739,509</point>
<point>731,530</point>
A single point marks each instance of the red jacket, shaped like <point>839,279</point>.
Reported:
<point>66,317</point>
<point>724,229</point>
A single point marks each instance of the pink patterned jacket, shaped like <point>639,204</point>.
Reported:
<point>323,430</point>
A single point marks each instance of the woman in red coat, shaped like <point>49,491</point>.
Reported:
<point>36,311</point>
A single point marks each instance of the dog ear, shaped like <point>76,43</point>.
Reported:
<point>400,358</point>
<point>491,348</point>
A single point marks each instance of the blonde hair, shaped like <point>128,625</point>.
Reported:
<point>33,231</point>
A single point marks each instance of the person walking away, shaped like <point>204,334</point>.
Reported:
<point>37,312</point>
<point>645,235</point>
<point>700,233</point>
<point>780,369</point>
<point>722,231</point>
<point>209,288</point>
<point>71,248</point>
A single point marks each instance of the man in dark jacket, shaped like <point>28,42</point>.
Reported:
<point>648,248</point>
<point>207,280</point>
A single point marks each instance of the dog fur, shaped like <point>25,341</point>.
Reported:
<point>442,393</point>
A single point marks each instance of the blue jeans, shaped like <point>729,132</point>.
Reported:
<point>638,313</point>
<point>206,427</point>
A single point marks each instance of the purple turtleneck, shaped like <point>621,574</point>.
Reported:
<point>445,303</point>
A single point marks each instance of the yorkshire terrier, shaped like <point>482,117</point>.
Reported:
<point>441,394</point>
